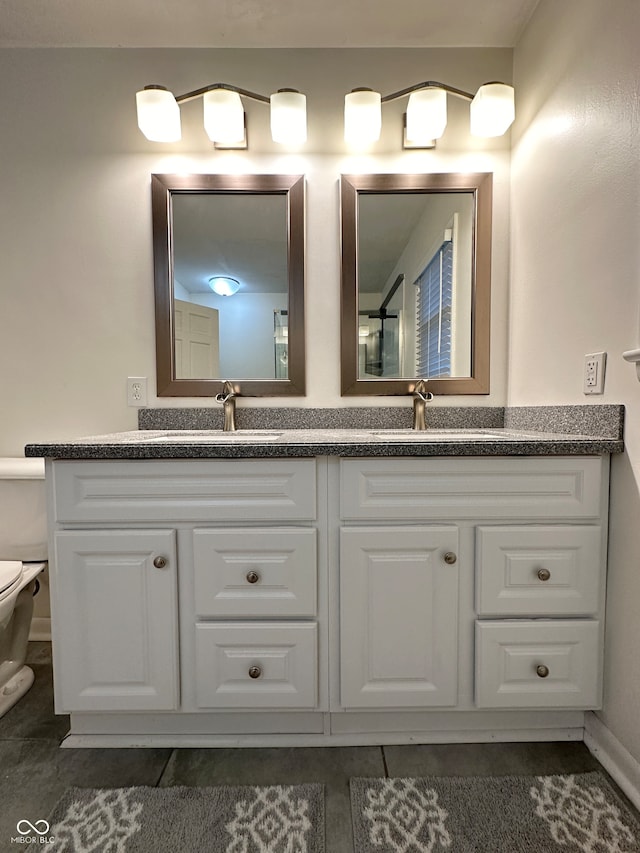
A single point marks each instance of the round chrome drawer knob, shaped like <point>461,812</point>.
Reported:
<point>542,671</point>
<point>544,574</point>
<point>253,577</point>
<point>255,672</point>
<point>160,562</point>
<point>450,558</point>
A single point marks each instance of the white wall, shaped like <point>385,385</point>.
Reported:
<point>576,267</point>
<point>76,284</point>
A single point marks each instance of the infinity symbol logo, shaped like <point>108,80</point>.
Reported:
<point>30,827</point>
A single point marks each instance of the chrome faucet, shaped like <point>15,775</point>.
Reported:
<point>420,397</point>
<point>228,400</point>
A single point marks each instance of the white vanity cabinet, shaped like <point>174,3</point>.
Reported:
<point>528,617</point>
<point>233,572</point>
<point>327,600</point>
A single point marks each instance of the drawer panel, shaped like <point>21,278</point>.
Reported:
<point>529,570</point>
<point>284,657</point>
<point>256,572</point>
<point>492,487</point>
<point>185,490</point>
<point>508,655</point>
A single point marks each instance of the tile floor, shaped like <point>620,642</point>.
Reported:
<point>34,771</point>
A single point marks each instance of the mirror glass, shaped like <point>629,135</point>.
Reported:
<point>229,250</point>
<point>415,283</point>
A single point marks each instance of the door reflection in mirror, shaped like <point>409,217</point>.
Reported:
<point>242,237</point>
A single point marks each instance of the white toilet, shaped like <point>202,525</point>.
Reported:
<point>23,555</point>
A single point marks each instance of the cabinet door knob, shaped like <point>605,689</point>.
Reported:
<point>450,558</point>
<point>542,671</point>
<point>253,577</point>
<point>544,574</point>
<point>160,562</point>
<point>255,672</point>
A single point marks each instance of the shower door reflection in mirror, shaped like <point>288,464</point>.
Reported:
<point>416,283</point>
<point>415,255</point>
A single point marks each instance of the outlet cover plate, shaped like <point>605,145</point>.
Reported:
<point>594,367</point>
<point>137,391</point>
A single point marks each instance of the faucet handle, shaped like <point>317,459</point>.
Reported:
<point>228,392</point>
<point>420,390</point>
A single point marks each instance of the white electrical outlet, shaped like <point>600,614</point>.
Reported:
<point>594,365</point>
<point>137,391</point>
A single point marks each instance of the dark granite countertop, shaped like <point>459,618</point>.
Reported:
<point>277,442</point>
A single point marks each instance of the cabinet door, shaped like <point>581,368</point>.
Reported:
<point>398,617</point>
<point>115,620</point>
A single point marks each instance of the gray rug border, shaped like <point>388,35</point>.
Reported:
<point>74,792</point>
<point>601,776</point>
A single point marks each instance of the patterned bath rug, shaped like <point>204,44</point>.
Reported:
<point>278,819</point>
<point>509,814</point>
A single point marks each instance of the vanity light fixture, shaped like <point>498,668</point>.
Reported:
<point>223,285</point>
<point>492,112</point>
<point>224,121</point>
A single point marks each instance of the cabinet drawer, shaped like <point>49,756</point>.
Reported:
<point>253,665</point>
<point>538,663</point>
<point>185,490</point>
<point>538,570</point>
<point>492,487</point>
<point>269,572</point>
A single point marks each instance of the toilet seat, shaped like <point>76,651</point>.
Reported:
<point>10,576</point>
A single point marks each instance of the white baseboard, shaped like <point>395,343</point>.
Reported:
<point>40,629</point>
<point>613,756</point>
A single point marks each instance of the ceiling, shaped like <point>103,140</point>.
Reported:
<point>209,232</point>
<point>263,23</point>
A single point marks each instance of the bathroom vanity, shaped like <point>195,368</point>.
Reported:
<point>327,587</point>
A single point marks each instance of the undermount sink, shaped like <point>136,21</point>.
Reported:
<point>213,436</point>
<point>437,434</point>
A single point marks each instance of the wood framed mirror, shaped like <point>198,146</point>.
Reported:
<point>244,228</point>
<point>416,283</point>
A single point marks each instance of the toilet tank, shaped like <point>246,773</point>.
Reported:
<point>23,513</point>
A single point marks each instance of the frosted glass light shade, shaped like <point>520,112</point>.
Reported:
<point>223,116</point>
<point>426,115</point>
<point>492,110</point>
<point>288,117</point>
<point>158,115</point>
<point>362,117</point>
<point>224,286</point>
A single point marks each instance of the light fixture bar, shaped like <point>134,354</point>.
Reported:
<point>428,84</point>
<point>198,93</point>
